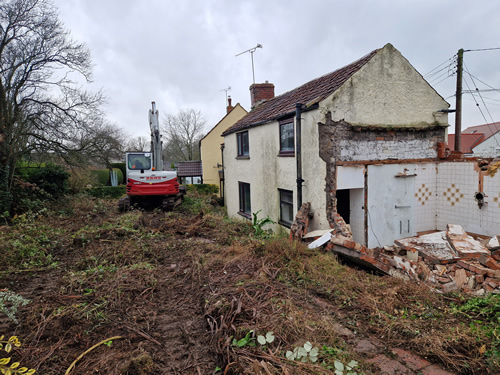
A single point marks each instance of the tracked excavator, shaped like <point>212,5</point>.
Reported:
<point>147,183</point>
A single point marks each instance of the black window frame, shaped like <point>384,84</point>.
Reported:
<point>243,152</point>
<point>287,151</point>
<point>243,194</point>
<point>288,203</point>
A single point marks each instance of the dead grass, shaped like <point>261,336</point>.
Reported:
<point>134,274</point>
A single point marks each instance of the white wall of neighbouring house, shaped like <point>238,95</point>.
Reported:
<point>490,148</point>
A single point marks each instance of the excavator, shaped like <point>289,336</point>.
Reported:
<point>147,183</point>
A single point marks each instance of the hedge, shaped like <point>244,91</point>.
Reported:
<point>107,191</point>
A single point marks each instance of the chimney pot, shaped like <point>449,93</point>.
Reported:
<point>229,106</point>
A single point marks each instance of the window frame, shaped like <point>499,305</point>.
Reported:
<point>244,194</point>
<point>241,152</point>
<point>288,203</point>
<point>282,124</point>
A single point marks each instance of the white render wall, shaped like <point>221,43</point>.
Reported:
<point>386,91</point>
<point>266,172</point>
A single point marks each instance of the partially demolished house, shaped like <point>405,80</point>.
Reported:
<point>363,145</point>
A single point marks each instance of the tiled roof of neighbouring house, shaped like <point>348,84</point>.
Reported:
<point>467,141</point>
<point>309,93</point>
<point>189,169</point>
<point>488,129</point>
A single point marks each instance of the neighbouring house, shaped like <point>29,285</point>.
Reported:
<point>467,142</point>
<point>212,143</point>
<point>488,145</point>
<point>190,172</point>
<point>362,142</point>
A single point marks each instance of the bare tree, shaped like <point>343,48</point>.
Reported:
<point>183,133</point>
<point>139,144</point>
<point>42,107</point>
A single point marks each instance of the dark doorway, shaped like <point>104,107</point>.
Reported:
<point>344,204</point>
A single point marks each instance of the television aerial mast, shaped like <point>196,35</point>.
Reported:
<point>251,50</point>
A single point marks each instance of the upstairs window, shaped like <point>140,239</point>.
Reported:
<point>242,139</point>
<point>286,207</point>
<point>287,140</point>
<point>244,193</point>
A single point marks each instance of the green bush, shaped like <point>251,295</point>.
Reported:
<point>107,191</point>
<point>119,174</point>
<point>51,178</point>
<point>101,177</point>
<point>121,167</point>
<point>204,188</point>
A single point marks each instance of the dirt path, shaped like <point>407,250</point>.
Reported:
<point>108,288</point>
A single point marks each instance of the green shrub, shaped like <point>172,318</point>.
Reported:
<point>121,167</point>
<point>101,177</point>
<point>51,178</point>
<point>107,191</point>
<point>120,175</point>
<point>204,188</point>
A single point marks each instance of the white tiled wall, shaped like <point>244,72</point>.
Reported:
<point>425,197</point>
<point>457,183</point>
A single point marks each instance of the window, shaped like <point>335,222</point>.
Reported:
<point>286,207</point>
<point>242,139</point>
<point>245,207</point>
<point>287,141</point>
<point>139,161</point>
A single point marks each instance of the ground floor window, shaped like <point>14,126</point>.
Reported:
<point>286,207</point>
<point>245,206</point>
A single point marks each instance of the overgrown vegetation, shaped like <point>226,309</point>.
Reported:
<point>156,279</point>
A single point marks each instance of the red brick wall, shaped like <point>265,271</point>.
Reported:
<point>261,91</point>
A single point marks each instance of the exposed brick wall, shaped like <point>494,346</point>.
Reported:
<point>342,142</point>
<point>260,92</point>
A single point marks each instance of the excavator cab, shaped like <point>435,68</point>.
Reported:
<point>139,161</point>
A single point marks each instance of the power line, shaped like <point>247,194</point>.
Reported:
<point>481,49</point>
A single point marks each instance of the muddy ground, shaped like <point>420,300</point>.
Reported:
<point>168,293</point>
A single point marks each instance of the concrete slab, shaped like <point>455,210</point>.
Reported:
<point>434,247</point>
<point>466,246</point>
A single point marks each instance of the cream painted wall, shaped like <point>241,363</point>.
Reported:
<point>211,154</point>
<point>386,91</point>
<point>266,172</point>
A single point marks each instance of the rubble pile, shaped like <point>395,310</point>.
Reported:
<point>450,260</point>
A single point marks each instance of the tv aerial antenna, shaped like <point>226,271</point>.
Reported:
<point>226,90</point>
<point>251,50</point>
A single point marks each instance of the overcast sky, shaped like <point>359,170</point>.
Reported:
<point>181,53</point>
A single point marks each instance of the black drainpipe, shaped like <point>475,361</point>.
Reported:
<point>298,113</point>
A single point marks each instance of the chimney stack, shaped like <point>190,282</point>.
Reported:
<point>229,106</point>
<point>260,92</point>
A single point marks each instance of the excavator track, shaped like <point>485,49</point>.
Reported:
<point>124,204</point>
<point>168,203</point>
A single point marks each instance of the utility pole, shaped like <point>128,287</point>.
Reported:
<point>458,96</point>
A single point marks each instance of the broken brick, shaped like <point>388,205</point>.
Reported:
<point>479,279</point>
<point>460,278</point>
